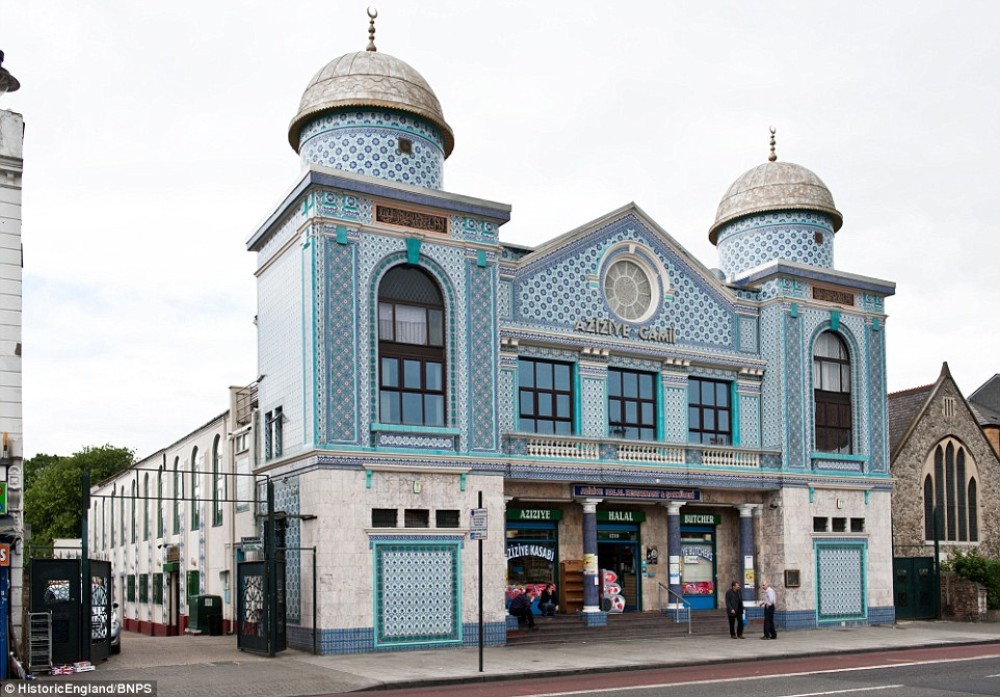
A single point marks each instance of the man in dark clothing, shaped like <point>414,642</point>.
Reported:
<point>734,611</point>
<point>520,607</point>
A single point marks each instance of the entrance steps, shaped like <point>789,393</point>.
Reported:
<point>570,629</point>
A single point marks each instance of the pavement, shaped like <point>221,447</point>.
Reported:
<point>206,666</point>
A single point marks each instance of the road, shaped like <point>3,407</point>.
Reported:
<point>937,672</point>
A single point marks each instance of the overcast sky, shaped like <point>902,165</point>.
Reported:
<point>157,141</point>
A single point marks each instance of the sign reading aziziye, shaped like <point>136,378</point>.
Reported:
<point>608,327</point>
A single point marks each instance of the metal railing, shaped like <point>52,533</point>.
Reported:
<point>676,609</point>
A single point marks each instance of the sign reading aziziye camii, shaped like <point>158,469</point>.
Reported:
<point>608,327</point>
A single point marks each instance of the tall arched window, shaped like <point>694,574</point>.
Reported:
<point>950,493</point>
<point>195,488</point>
<point>178,494</point>
<point>122,502</point>
<point>832,394</point>
<point>145,507</point>
<point>411,349</point>
<point>159,502</point>
<point>218,482</point>
<point>135,510</point>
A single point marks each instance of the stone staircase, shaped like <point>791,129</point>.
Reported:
<point>569,629</point>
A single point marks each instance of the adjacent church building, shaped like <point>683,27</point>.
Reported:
<point>947,483</point>
<point>608,401</point>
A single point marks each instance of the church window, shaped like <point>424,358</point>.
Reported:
<point>950,493</point>
<point>545,396</point>
<point>709,412</point>
<point>412,368</point>
<point>832,394</point>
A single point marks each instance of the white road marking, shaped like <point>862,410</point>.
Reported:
<point>841,692</point>
<point>744,678</point>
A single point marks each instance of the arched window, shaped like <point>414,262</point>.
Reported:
<point>832,394</point>
<point>950,493</point>
<point>411,349</point>
<point>159,502</point>
<point>122,502</point>
<point>145,507</point>
<point>135,510</point>
<point>195,488</point>
<point>218,482</point>
<point>178,494</point>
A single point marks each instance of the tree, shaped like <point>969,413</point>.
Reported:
<point>53,496</point>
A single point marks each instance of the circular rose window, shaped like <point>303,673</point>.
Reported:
<point>629,290</point>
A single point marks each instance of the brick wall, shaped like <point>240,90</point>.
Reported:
<point>962,599</point>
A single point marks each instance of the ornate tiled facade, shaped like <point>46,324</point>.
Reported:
<point>377,505</point>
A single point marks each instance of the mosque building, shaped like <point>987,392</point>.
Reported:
<point>606,399</point>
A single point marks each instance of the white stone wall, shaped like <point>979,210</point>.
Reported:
<point>208,550</point>
<point>11,166</point>
<point>787,541</point>
<point>279,342</point>
<point>343,506</point>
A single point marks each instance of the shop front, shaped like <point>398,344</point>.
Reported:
<point>698,563</point>
<point>532,548</point>
<point>618,549</point>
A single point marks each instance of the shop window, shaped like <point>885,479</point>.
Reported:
<point>832,394</point>
<point>857,524</point>
<point>384,517</point>
<point>416,518</point>
<point>446,518</point>
<point>631,404</point>
<point>839,525</point>
<point>950,493</point>
<point>531,556</point>
<point>545,396</point>
<point>412,369</point>
<point>709,412</point>
<point>819,524</point>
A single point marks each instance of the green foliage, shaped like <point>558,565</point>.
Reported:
<point>982,570</point>
<point>53,494</point>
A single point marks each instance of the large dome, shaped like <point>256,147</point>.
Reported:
<point>369,79</point>
<point>775,186</point>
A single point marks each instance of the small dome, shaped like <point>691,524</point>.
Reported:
<point>775,186</point>
<point>369,79</point>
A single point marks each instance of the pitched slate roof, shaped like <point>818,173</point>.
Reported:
<point>904,407</point>
<point>985,402</point>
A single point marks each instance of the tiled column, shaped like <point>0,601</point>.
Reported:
<point>591,574</point>
<point>674,551</point>
<point>746,548</point>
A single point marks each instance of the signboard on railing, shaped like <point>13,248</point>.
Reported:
<point>635,493</point>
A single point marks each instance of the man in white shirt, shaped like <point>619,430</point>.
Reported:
<point>767,602</point>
